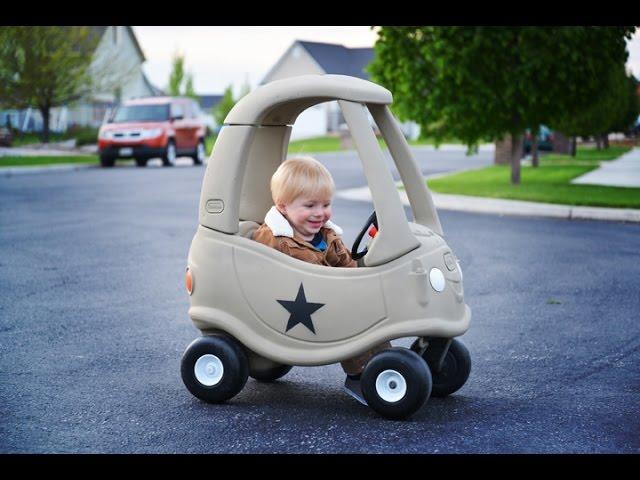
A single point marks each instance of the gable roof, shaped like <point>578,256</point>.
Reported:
<point>99,31</point>
<point>338,59</point>
<point>332,58</point>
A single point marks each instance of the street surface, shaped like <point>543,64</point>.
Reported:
<point>93,324</point>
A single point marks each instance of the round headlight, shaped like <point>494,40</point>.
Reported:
<point>436,277</point>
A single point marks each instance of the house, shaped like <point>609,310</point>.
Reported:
<point>304,58</point>
<point>116,72</point>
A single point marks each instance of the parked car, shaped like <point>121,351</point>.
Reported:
<point>6,137</point>
<point>165,127</point>
<point>545,140</point>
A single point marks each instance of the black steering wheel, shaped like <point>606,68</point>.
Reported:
<point>354,249</point>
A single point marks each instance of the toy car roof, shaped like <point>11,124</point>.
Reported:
<point>281,101</point>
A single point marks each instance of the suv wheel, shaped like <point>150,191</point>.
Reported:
<point>141,162</point>
<point>170,154</point>
<point>200,153</point>
<point>106,161</point>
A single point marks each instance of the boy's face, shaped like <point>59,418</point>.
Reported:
<point>307,215</point>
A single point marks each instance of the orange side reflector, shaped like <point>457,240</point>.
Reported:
<point>373,231</point>
<point>188,280</point>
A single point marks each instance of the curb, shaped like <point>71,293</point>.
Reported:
<point>463,203</point>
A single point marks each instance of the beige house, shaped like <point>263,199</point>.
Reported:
<point>304,58</point>
<point>117,75</point>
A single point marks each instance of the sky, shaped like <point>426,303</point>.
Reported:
<point>224,55</point>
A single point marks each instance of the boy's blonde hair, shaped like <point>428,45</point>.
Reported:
<point>301,176</point>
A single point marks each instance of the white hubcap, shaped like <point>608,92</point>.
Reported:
<point>391,386</point>
<point>209,370</point>
<point>201,152</point>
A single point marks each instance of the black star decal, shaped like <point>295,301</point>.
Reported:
<point>300,310</point>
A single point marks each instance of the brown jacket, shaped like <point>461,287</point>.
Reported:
<point>276,232</point>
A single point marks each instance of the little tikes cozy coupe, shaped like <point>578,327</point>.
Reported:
<point>261,312</point>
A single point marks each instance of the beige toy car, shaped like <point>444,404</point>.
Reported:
<point>261,312</point>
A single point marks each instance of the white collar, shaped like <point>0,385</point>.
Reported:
<point>280,226</point>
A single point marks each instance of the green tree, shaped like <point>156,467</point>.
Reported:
<point>189,91</point>
<point>44,67</point>
<point>180,81</point>
<point>482,83</point>
<point>176,77</point>
<point>631,110</point>
<point>614,109</point>
<point>222,109</point>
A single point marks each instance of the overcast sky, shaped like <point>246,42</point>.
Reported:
<point>219,56</point>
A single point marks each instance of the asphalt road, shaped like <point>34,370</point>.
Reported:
<point>93,324</point>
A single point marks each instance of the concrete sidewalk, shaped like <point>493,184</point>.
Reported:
<point>465,203</point>
<point>623,172</point>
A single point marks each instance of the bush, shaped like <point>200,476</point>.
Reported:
<point>83,135</point>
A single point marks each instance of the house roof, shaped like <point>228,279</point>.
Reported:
<point>338,59</point>
<point>99,31</point>
<point>209,101</point>
<point>332,58</point>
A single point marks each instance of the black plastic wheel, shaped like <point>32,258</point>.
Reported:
<point>214,368</point>
<point>396,383</point>
<point>455,370</point>
<point>264,370</point>
<point>270,374</point>
<point>106,161</point>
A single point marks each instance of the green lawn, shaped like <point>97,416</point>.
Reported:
<point>315,145</point>
<point>584,156</point>
<point>549,183</point>
<point>23,139</point>
<point>332,144</point>
<point>83,136</point>
<point>19,161</point>
<point>322,144</point>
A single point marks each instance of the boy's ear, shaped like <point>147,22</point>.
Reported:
<point>282,208</point>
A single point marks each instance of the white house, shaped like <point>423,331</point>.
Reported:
<point>116,72</point>
<point>304,58</point>
<point>117,75</point>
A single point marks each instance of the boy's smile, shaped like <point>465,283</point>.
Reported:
<point>307,215</point>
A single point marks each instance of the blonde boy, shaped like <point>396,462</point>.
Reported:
<point>299,225</point>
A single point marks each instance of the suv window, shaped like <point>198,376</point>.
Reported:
<point>141,113</point>
<point>195,109</point>
<point>177,110</point>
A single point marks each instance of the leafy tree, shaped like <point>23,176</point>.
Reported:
<point>482,83</point>
<point>629,114</point>
<point>45,67</point>
<point>614,109</point>
<point>189,91</point>
<point>176,77</point>
<point>222,109</point>
<point>180,81</point>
